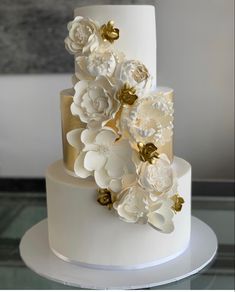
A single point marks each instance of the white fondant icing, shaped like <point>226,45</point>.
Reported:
<point>83,231</point>
<point>137,27</point>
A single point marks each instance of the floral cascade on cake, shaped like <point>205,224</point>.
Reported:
<point>124,123</point>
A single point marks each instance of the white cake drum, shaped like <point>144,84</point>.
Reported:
<point>137,27</point>
<point>82,231</point>
<point>38,256</point>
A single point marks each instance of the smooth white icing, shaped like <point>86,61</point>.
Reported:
<point>83,231</point>
<point>137,27</point>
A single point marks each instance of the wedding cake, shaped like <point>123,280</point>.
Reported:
<point>119,199</point>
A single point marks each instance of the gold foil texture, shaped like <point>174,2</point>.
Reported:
<point>68,123</point>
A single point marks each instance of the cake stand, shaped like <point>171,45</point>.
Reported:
<point>35,252</point>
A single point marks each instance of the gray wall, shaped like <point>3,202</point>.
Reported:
<point>195,57</point>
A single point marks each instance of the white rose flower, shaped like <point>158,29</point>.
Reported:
<point>97,64</point>
<point>94,101</point>
<point>132,205</point>
<point>149,120</point>
<point>83,36</point>
<point>157,177</point>
<point>161,214</point>
<point>135,74</point>
<point>105,158</point>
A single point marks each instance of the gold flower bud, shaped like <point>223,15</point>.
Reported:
<point>105,198</point>
<point>127,95</point>
<point>178,203</point>
<point>148,152</point>
<point>109,32</point>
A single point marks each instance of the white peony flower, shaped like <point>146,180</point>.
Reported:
<point>149,120</point>
<point>157,177</point>
<point>94,101</point>
<point>105,158</point>
<point>132,205</point>
<point>135,74</point>
<point>97,64</point>
<point>74,138</point>
<point>83,36</point>
<point>161,214</point>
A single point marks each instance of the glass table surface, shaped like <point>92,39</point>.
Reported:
<point>20,211</point>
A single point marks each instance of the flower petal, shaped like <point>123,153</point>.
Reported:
<point>102,179</point>
<point>74,109</point>
<point>160,223</point>
<point>115,185</point>
<point>114,166</point>
<point>79,88</point>
<point>79,169</point>
<point>106,137</point>
<point>161,217</point>
<point>81,71</point>
<point>88,136</point>
<point>128,180</point>
<point>74,138</point>
<point>94,160</point>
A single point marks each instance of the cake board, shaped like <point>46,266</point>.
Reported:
<point>37,255</point>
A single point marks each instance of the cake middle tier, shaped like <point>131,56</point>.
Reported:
<point>70,122</point>
<point>137,27</point>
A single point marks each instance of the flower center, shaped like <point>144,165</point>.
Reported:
<point>140,73</point>
<point>100,104</point>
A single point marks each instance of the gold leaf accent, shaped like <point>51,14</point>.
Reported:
<point>178,203</point>
<point>114,122</point>
<point>105,198</point>
<point>109,32</point>
<point>127,95</point>
<point>148,152</point>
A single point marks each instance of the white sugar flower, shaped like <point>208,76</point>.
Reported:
<point>157,177</point>
<point>132,205</point>
<point>149,120</point>
<point>161,214</point>
<point>134,74</point>
<point>105,158</point>
<point>97,64</point>
<point>94,101</point>
<point>83,36</point>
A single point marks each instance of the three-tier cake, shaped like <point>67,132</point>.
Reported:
<point>119,199</point>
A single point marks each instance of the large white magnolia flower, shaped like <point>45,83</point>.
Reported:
<point>149,120</point>
<point>132,205</point>
<point>102,156</point>
<point>161,214</point>
<point>97,64</point>
<point>157,177</point>
<point>94,101</point>
<point>134,74</point>
<point>83,36</point>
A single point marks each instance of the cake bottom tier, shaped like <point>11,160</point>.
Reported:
<point>84,232</point>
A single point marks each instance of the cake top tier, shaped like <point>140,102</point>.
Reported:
<point>137,27</point>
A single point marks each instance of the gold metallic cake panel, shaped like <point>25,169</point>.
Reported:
<point>68,123</point>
